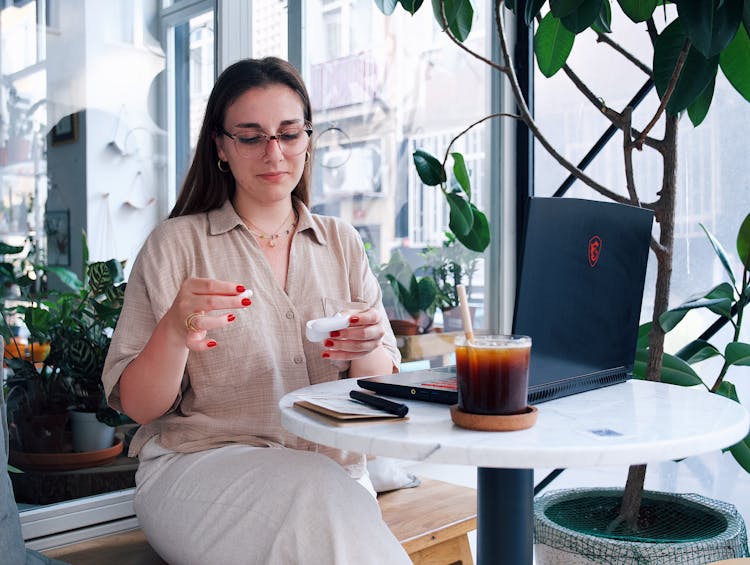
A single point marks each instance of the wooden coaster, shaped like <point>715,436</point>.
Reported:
<point>490,423</point>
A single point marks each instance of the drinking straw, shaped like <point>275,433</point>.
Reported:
<point>465,317</point>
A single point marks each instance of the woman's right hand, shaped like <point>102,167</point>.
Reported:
<point>194,311</point>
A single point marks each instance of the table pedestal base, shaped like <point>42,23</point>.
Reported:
<point>505,516</point>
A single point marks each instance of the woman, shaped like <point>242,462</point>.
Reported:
<point>202,365</point>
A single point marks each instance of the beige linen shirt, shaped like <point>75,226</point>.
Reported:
<point>230,393</point>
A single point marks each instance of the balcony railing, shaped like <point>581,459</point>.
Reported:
<point>343,82</point>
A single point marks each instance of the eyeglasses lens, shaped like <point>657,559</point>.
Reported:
<point>253,143</point>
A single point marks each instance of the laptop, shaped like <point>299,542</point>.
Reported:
<point>579,297</point>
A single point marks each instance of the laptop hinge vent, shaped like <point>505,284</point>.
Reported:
<point>574,386</point>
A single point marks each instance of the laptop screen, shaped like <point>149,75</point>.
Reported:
<point>581,285</point>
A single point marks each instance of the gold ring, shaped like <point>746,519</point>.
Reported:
<point>189,322</point>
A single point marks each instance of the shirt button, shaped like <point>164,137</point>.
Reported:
<point>298,359</point>
<point>289,315</point>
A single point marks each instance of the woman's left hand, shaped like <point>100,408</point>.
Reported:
<point>364,335</point>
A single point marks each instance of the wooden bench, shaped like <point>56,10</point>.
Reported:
<point>431,521</point>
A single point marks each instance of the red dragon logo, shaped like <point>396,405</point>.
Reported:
<point>595,250</point>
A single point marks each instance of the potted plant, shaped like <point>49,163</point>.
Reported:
<point>697,40</point>
<point>79,349</point>
<point>451,264</point>
<point>410,300</point>
<point>38,397</point>
<point>74,328</point>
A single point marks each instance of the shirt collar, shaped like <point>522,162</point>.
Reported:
<point>224,219</point>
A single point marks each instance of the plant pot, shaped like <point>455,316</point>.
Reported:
<point>571,528</point>
<point>404,327</point>
<point>89,434</point>
<point>41,433</point>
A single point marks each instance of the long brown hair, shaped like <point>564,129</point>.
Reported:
<point>205,187</point>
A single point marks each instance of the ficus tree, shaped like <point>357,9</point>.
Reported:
<point>691,41</point>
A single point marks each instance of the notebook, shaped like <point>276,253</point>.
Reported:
<point>579,297</point>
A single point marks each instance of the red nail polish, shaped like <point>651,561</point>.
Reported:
<point>354,319</point>
<point>246,302</point>
<point>240,288</point>
<point>335,333</point>
<point>328,343</point>
<point>325,355</point>
<point>211,343</point>
<point>230,318</point>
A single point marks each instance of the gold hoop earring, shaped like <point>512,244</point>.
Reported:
<point>218,164</point>
<point>307,156</point>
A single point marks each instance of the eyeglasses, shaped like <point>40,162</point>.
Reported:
<point>292,140</point>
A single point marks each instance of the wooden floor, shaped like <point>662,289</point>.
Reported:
<point>431,522</point>
<point>128,548</point>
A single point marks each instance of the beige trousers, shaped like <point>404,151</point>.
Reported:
<point>266,506</point>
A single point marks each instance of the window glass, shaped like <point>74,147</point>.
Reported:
<point>83,149</point>
<point>270,36</point>
<point>201,70</point>
<point>711,177</point>
<point>382,87</point>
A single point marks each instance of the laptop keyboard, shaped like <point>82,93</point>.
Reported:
<point>446,384</point>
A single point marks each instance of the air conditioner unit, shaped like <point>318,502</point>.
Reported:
<point>358,174</point>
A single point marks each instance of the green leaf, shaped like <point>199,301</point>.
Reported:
<point>643,333</point>
<point>478,237</point>
<point>710,27</point>
<point>669,319</point>
<point>461,217</point>
<point>673,370</point>
<point>603,22</point>
<point>552,45</point>
<point>699,108</point>
<point>638,10</point>
<point>741,453</point>
<point>461,174</point>
<point>696,73</point>
<point>386,6</point>
<point>531,10</point>
<point>427,293</point>
<point>562,8</point>
<point>721,290</point>
<point>696,351</point>
<point>743,241</point>
<point>728,390</point>
<point>719,250</point>
<point>411,6</point>
<point>458,13</point>
<point>429,169</point>
<point>584,16</point>
<point>6,249</point>
<point>737,353</point>
<point>68,277</point>
<point>12,469</point>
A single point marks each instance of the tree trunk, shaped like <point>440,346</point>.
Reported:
<point>664,212</point>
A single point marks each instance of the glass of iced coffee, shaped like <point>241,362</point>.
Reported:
<point>493,374</point>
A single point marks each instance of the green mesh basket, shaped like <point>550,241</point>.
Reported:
<point>579,526</point>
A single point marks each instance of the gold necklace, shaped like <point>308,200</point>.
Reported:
<point>272,237</point>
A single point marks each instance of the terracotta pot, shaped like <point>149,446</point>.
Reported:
<point>405,327</point>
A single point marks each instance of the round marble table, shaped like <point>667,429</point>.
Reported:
<point>629,423</point>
